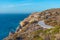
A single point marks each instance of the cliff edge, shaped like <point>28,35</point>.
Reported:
<point>43,25</point>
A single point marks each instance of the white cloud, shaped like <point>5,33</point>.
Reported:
<point>14,5</point>
<point>25,4</point>
<point>7,6</point>
<point>11,6</point>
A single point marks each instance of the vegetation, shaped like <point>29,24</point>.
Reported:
<point>31,31</point>
<point>50,32</point>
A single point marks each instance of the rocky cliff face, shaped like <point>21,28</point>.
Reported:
<point>43,25</point>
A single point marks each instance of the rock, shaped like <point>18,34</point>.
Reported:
<point>33,20</point>
<point>23,23</point>
<point>31,28</point>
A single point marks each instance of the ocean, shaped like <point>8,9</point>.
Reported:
<point>9,22</point>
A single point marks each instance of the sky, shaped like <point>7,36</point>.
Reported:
<point>27,6</point>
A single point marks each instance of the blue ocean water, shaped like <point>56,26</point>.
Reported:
<point>9,22</point>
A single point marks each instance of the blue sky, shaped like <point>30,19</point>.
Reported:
<point>27,6</point>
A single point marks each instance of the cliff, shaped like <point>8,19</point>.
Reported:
<point>43,25</point>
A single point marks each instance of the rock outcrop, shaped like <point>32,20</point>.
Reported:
<point>31,29</point>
